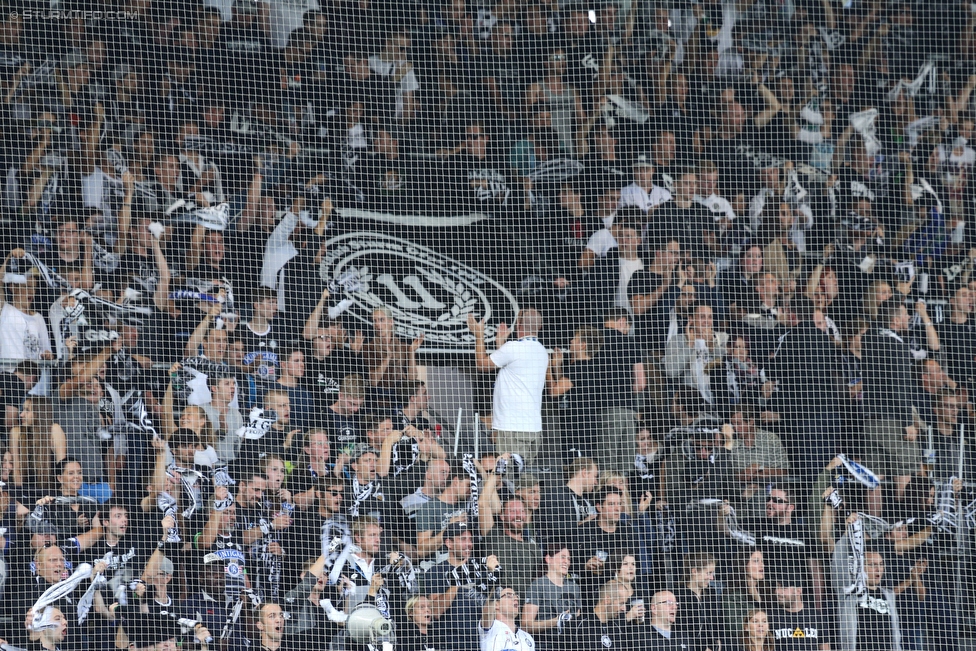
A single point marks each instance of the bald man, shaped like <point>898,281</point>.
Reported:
<point>516,416</point>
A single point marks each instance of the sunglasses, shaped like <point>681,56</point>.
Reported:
<point>778,500</point>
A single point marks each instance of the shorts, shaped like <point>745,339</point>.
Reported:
<point>525,444</point>
<point>889,453</point>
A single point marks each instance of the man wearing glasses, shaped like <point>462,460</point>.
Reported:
<point>503,634</point>
<point>664,608</point>
<point>784,541</point>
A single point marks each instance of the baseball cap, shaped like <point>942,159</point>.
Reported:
<point>362,449</point>
<point>643,161</point>
<point>166,566</point>
<point>454,530</point>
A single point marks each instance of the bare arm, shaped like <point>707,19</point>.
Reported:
<point>428,543</point>
<point>168,423</point>
<point>488,505</point>
<point>84,373</point>
<point>481,359</point>
<point>253,205</point>
<point>200,332</point>
<point>441,603</point>
<point>195,250</point>
<point>59,443</point>
<point>161,297</point>
<point>15,456</point>
<point>210,530</point>
<point>535,626</point>
<point>312,324</point>
<point>640,377</point>
<point>772,107</point>
<point>125,214</point>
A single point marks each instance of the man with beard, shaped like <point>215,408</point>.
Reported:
<point>261,533</point>
<point>207,603</point>
<point>517,552</point>
<point>328,362</point>
<point>457,588</point>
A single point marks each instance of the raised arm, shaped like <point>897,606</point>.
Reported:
<point>482,361</point>
<point>312,323</point>
<point>125,214</point>
<point>17,254</point>
<point>168,424</point>
<point>200,332</point>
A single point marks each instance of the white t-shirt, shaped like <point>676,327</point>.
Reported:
<point>408,83</point>
<point>601,242</point>
<point>502,638</point>
<point>286,16</point>
<point>635,195</point>
<point>517,402</point>
<point>718,206</point>
<point>627,269</point>
<point>22,336</point>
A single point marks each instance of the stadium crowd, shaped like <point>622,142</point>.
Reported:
<point>733,411</point>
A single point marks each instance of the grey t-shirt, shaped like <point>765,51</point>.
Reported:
<point>435,515</point>
<point>80,421</point>
<point>521,561</point>
<point>553,599</point>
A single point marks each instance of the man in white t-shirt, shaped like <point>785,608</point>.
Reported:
<point>504,634</point>
<point>516,415</point>
<point>282,17</point>
<point>642,192</point>
<point>392,62</point>
<point>23,332</point>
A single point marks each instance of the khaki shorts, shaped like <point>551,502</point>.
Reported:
<point>525,444</point>
<point>889,453</point>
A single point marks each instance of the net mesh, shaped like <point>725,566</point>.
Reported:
<point>487,326</point>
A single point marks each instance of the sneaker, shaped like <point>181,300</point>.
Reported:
<point>214,218</point>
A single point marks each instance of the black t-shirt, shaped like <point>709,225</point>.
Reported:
<point>616,362</point>
<point>508,73</point>
<point>689,225</point>
<point>584,60</point>
<point>344,431</point>
<point>958,346</point>
<point>324,376</point>
<point>594,635</point>
<point>579,407</point>
<point>388,185</point>
<point>260,351</point>
<point>802,631</point>
<point>559,513</point>
<point>874,623</point>
<point>472,184</point>
<point>699,621</point>
<point>741,160</point>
